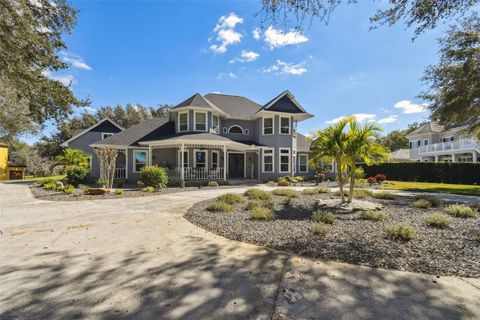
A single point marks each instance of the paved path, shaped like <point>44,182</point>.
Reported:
<point>138,258</point>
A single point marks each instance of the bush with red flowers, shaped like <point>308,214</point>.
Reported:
<point>380,178</point>
<point>371,180</point>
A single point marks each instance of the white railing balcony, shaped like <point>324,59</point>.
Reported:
<point>462,144</point>
<point>190,173</point>
<point>120,174</point>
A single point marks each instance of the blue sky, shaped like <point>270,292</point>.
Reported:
<point>155,52</point>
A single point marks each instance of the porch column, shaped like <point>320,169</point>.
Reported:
<point>182,173</point>
<point>453,157</point>
<point>225,162</point>
<point>149,155</point>
<point>126,164</point>
<point>436,158</point>
<point>474,156</point>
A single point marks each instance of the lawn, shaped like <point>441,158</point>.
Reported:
<point>464,189</point>
<point>36,178</point>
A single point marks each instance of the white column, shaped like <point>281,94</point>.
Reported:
<point>453,157</point>
<point>149,155</point>
<point>182,173</point>
<point>436,158</point>
<point>225,162</point>
<point>474,156</point>
<point>126,164</point>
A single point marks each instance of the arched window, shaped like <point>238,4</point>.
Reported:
<point>235,129</point>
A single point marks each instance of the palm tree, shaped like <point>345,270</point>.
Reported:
<point>72,157</point>
<point>330,143</point>
<point>362,145</point>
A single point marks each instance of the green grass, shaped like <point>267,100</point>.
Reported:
<point>258,194</point>
<point>320,229</point>
<point>148,189</point>
<point>119,192</point>
<point>60,177</point>
<point>421,204</point>
<point>261,213</point>
<point>286,193</point>
<point>400,232</point>
<point>231,198</point>
<point>470,190</point>
<point>312,191</point>
<point>255,203</point>
<point>384,195</point>
<point>461,211</point>
<point>220,206</point>
<point>373,215</point>
<point>325,217</point>
<point>438,220</point>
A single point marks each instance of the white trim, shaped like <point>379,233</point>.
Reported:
<point>126,163</point>
<point>179,155</point>
<point>218,158</point>
<point>134,162</point>
<point>280,159</point>
<point>246,132</point>
<point>299,163</point>
<point>235,125</point>
<point>178,121</point>
<point>225,129</point>
<point>65,143</point>
<point>109,134</point>
<point>280,126</point>
<point>263,126</point>
<point>195,157</point>
<point>90,159</point>
<point>244,161</point>
<point>195,121</point>
<point>263,160</point>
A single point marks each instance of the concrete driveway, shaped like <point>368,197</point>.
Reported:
<point>138,258</point>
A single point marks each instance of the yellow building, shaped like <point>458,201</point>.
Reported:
<point>8,169</point>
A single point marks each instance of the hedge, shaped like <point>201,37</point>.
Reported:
<point>440,172</point>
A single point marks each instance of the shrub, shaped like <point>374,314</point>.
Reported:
<point>230,198</point>
<point>45,181</point>
<point>371,180</point>
<point>359,173</point>
<point>258,194</point>
<point>259,203</point>
<point>195,183</point>
<point>433,200</point>
<point>154,176</point>
<point>373,215</point>
<point>322,216</point>
<point>119,192</point>
<point>282,182</point>
<point>384,195</point>
<point>320,229</point>
<point>68,189</point>
<point>148,189</point>
<point>461,211</point>
<point>421,204</point>
<point>380,178</point>
<point>78,175</point>
<point>286,193</point>
<point>50,186</point>
<point>212,184</point>
<point>289,202</point>
<point>261,213</point>
<point>220,206</point>
<point>59,187</point>
<point>400,232</point>
<point>438,220</point>
<point>312,191</point>
<point>361,193</point>
<point>119,183</point>
<point>320,177</point>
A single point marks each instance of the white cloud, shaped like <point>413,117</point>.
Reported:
<point>361,117</point>
<point>226,34</point>
<point>408,106</point>
<point>256,33</point>
<point>89,109</point>
<point>389,119</point>
<point>282,67</point>
<point>246,56</point>
<point>75,61</point>
<point>277,38</point>
<point>229,75</point>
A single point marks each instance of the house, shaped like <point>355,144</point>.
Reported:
<point>400,155</point>
<point>8,169</point>
<point>433,142</point>
<point>212,136</point>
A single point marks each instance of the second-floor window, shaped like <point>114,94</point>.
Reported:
<point>235,129</point>
<point>215,124</point>
<point>267,125</point>
<point>284,125</point>
<point>183,121</point>
<point>200,121</point>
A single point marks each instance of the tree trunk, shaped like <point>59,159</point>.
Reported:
<point>340,179</point>
<point>352,184</point>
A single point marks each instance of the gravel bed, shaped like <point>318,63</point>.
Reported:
<point>78,195</point>
<point>454,251</point>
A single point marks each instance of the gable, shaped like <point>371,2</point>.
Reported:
<point>106,126</point>
<point>285,104</point>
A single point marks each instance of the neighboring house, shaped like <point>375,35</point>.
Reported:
<point>8,169</point>
<point>432,142</point>
<point>213,136</point>
<point>400,155</point>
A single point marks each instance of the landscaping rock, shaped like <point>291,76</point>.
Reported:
<point>291,295</point>
<point>282,316</point>
<point>355,205</point>
<point>59,184</point>
<point>96,191</point>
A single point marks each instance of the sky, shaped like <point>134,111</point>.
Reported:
<point>157,52</point>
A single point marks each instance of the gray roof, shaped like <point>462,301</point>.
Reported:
<point>400,154</point>
<point>197,100</point>
<point>235,106</point>
<point>303,143</point>
<point>146,130</point>
<point>201,136</point>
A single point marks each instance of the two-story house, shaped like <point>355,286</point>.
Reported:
<point>436,143</point>
<point>212,136</point>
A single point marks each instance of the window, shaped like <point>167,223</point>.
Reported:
<point>89,162</point>
<point>267,126</point>
<point>267,160</point>
<point>200,159</point>
<point>235,129</point>
<point>302,162</point>
<point>214,159</point>
<point>185,159</point>
<point>225,129</point>
<point>246,131</point>
<point>139,160</point>
<point>200,121</point>
<point>284,160</point>
<point>284,125</point>
<point>425,142</point>
<point>105,135</point>
<point>215,124</point>
<point>447,139</point>
<point>183,121</point>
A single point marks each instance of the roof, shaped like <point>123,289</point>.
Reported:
<point>236,107</point>
<point>435,127</point>
<point>79,132</point>
<point>3,145</point>
<point>400,154</point>
<point>303,143</point>
<point>11,164</point>
<point>285,97</point>
<point>197,100</point>
<point>149,129</point>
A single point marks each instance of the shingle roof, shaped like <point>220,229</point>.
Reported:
<point>400,154</point>
<point>203,136</point>
<point>147,130</point>
<point>303,143</point>
<point>197,100</point>
<point>235,106</point>
<point>279,102</point>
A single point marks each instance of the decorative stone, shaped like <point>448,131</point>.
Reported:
<point>96,191</point>
<point>59,184</point>
<point>282,316</point>
<point>291,295</point>
<point>355,205</point>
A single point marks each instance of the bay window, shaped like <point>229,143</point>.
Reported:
<point>200,121</point>
<point>183,121</point>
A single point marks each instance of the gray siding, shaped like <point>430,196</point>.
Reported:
<point>244,124</point>
<point>83,143</point>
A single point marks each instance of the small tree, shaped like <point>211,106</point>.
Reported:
<point>154,176</point>
<point>71,158</point>
<point>107,157</point>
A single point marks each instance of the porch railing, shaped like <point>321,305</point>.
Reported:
<point>462,144</point>
<point>120,174</point>
<point>190,173</point>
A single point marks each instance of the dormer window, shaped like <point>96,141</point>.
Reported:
<point>235,129</point>
<point>200,121</point>
<point>183,121</point>
<point>284,125</point>
<point>215,124</point>
<point>267,126</point>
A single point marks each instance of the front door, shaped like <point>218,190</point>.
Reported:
<point>236,165</point>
